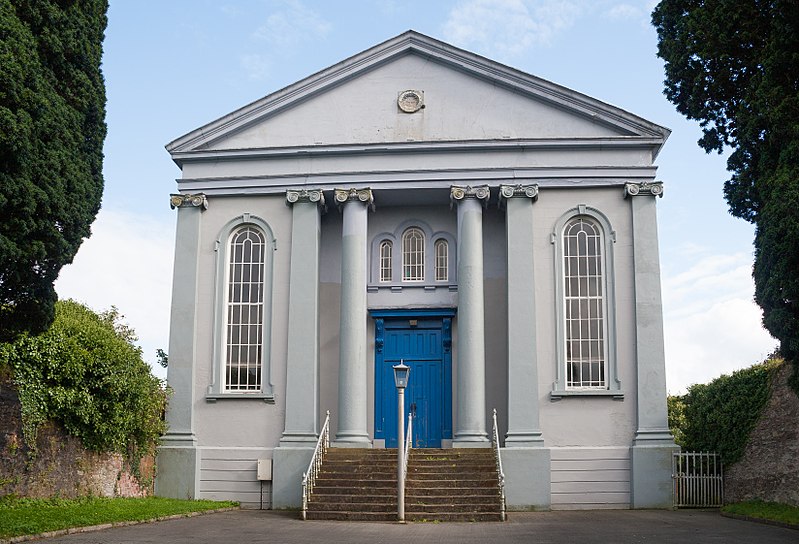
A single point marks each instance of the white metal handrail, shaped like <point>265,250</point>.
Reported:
<point>309,477</point>
<point>500,473</point>
<point>408,445</point>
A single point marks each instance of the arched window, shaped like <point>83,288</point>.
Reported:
<point>584,305</point>
<point>386,249</point>
<point>245,310</point>
<point>242,311</point>
<point>413,255</point>
<point>442,260</point>
<point>585,309</point>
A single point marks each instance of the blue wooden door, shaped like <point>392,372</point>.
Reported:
<point>420,346</point>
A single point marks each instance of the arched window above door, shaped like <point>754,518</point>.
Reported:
<point>424,258</point>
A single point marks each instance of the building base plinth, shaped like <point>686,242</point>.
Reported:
<point>288,466</point>
<point>651,483</point>
<point>178,472</point>
<point>528,483</point>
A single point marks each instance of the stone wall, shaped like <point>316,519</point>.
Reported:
<point>61,467</point>
<point>769,469</point>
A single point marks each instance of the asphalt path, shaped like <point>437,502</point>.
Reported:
<point>608,526</point>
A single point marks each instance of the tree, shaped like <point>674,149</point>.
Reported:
<point>52,127</point>
<point>733,65</point>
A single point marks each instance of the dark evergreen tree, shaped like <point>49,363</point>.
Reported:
<point>733,65</point>
<point>52,127</point>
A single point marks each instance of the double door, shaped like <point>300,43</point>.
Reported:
<point>418,343</point>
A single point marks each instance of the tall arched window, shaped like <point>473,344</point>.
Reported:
<point>584,301</point>
<point>586,330</point>
<point>245,310</point>
<point>386,250</point>
<point>413,255</point>
<point>242,311</point>
<point>442,260</point>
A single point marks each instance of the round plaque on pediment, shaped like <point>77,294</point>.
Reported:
<point>410,101</point>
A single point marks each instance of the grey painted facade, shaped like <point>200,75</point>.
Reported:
<point>495,165</point>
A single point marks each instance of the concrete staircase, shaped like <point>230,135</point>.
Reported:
<point>442,485</point>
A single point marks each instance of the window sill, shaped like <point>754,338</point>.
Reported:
<point>397,287</point>
<point>560,393</point>
<point>267,398</point>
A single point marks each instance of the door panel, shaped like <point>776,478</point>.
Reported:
<point>420,347</point>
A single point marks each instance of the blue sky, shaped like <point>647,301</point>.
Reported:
<point>171,67</point>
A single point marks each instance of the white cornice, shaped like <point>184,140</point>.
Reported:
<point>465,146</point>
<point>408,43</point>
<point>573,177</point>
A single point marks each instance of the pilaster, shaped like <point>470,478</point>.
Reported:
<point>178,454</point>
<point>302,359</point>
<point>353,387</point>
<point>523,400</point>
<point>653,442</point>
<point>470,424</point>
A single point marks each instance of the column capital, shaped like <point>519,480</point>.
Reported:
<point>461,192</point>
<point>197,200</point>
<point>518,191</point>
<point>644,188</point>
<point>363,195</point>
<point>315,196</point>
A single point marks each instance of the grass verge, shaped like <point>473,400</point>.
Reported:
<point>21,516</point>
<point>772,511</point>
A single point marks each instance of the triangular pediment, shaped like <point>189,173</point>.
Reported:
<point>466,97</point>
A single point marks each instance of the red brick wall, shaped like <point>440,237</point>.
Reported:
<point>61,466</point>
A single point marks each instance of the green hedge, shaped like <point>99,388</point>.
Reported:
<point>719,416</point>
<point>86,374</point>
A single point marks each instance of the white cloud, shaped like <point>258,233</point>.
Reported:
<point>256,66</point>
<point>292,23</point>
<point>507,28</point>
<point>712,325</point>
<point>624,12</point>
<point>127,263</point>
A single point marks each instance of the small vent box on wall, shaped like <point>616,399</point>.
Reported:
<point>264,469</point>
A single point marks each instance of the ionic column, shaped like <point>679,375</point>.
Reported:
<point>523,412</point>
<point>470,421</point>
<point>302,359</point>
<point>352,382</point>
<point>653,444</point>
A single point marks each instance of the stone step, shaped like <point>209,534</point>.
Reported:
<point>441,485</point>
<point>353,507</point>
<point>329,515</point>
<point>453,516</point>
<point>452,508</point>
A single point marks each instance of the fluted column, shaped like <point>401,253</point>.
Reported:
<point>302,359</point>
<point>352,384</point>
<point>523,413</point>
<point>470,421</point>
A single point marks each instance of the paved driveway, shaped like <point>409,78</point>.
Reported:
<point>617,526</point>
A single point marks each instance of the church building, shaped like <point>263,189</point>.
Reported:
<point>419,203</point>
